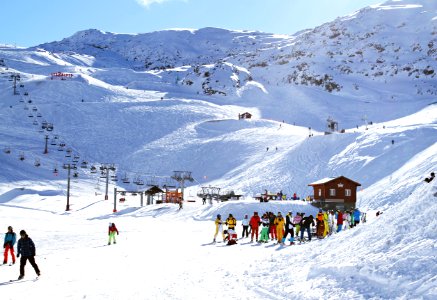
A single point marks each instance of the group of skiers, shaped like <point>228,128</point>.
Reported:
<point>289,228</point>
<point>25,248</point>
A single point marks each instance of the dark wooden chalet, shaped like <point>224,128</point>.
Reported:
<point>245,115</point>
<point>335,193</point>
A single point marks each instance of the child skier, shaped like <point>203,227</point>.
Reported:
<point>111,232</point>
<point>8,245</point>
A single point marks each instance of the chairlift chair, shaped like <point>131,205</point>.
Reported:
<point>39,115</point>
<point>60,148</point>
<point>7,150</point>
<point>114,178</point>
<point>21,156</point>
<point>34,108</point>
<point>53,142</point>
<point>25,107</point>
<point>49,127</point>
<point>121,200</point>
<point>103,174</point>
<point>84,164</point>
<point>125,179</point>
<point>37,163</point>
<point>35,122</point>
<point>93,169</point>
<point>30,115</point>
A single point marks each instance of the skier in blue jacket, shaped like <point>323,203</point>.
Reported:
<point>357,216</point>
<point>8,245</point>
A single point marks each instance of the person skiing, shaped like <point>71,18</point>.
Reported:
<point>218,227</point>
<point>265,230</point>
<point>254,225</point>
<point>26,248</point>
<point>111,232</point>
<point>231,222</point>
<point>245,223</point>
<point>279,224</point>
<point>8,245</point>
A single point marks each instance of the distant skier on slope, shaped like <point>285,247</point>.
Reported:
<point>8,245</point>
<point>26,248</point>
<point>111,233</point>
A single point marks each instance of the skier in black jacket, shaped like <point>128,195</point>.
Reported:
<point>26,248</point>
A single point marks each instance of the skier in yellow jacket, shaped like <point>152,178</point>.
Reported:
<point>280,222</point>
<point>231,222</point>
<point>218,227</point>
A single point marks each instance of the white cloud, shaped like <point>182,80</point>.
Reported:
<point>147,3</point>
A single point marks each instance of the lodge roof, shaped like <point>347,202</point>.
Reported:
<point>329,179</point>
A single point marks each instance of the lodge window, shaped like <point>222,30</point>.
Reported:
<point>320,192</point>
<point>331,192</point>
<point>347,192</point>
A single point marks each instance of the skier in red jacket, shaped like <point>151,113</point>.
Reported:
<point>339,220</point>
<point>111,232</point>
<point>254,225</point>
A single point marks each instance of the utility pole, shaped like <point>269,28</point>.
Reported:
<point>46,149</point>
<point>15,77</point>
<point>181,177</point>
<point>107,168</point>
<point>68,167</point>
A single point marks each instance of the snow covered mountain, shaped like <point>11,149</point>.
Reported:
<point>158,102</point>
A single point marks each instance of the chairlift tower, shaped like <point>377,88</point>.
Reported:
<point>210,192</point>
<point>181,177</point>
<point>15,78</point>
<point>107,168</point>
<point>68,167</point>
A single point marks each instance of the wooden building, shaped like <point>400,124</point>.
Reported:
<point>245,115</point>
<point>335,193</point>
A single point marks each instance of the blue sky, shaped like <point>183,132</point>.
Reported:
<point>29,23</point>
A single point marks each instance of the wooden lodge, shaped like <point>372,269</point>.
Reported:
<point>245,115</point>
<point>335,193</point>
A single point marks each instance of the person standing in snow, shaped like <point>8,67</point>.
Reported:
<point>272,226</point>
<point>346,220</point>
<point>8,245</point>
<point>357,216</point>
<point>111,232</point>
<point>289,228</point>
<point>245,223</point>
<point>339,221</point>
<point>320,225</point>
<point>279,224</point>
<point>218,227</point>
<point>254,225</point>
<point>296,221</point>
<point>331,222</point>
<point>265,230</point>
<point>26,248</point>
<point>307,222</point>
<point>231,222</point>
